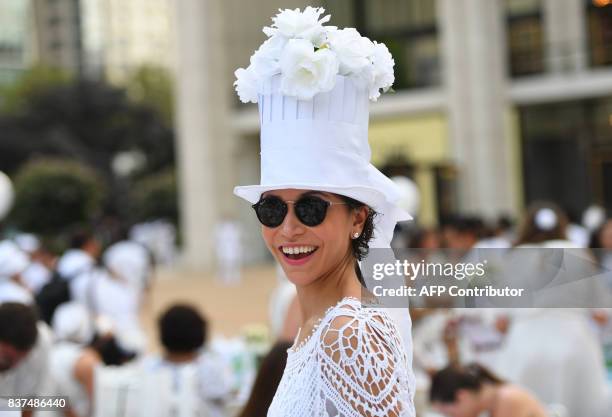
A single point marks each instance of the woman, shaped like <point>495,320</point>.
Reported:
<point>320,203</point>
<point>472,390</point>
<point>267,380</point>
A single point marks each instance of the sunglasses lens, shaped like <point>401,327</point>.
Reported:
<point>311,210</point>
<point>271,211</point>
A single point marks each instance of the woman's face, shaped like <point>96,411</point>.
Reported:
<point>466,405</point>
<point>327,244</point>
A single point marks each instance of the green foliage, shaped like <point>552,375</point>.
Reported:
<point>52,195</point>
<point>33,81</point>
<point>156,197</point>
<point>153,87</point>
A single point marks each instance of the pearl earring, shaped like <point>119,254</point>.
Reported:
<point>356,235</point>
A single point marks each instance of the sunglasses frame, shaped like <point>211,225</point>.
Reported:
<point>294,202</point>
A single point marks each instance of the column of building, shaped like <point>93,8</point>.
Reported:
<point>565,36</point>
<point>204,140</point>
<point>473,56</point>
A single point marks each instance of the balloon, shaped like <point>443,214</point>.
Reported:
<point>6,195</point>
<point>410,196</point>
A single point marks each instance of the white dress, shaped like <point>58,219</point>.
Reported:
<point>353,364</point>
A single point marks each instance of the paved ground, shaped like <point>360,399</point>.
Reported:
<point>228,308</point>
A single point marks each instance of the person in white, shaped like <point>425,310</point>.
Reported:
<point>186,360</point>
<point>317,202</point>
<point>24,352</point>
<point>229,251</point>
<point>38,273</point>
<point>115,293</point>
<point>13,262</point>
<point>71,362</point>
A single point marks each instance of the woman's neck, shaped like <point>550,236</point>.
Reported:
<point>316,297</point>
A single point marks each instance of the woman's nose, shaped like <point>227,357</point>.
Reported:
<point>291,226</point>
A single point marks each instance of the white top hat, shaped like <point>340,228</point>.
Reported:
<point>314,125</point>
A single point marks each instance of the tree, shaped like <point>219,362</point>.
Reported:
<point>152,86</point>
<point>89,122</point>
<point>53,195</point>
<point>14,97</point>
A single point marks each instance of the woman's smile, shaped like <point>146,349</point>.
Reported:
<point>297,254</point>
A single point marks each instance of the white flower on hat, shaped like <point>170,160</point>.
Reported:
<point>306,72</point>
<point>264,63</point>
<point>352,49</point>
<point>382,70</point>
<point>309,55</point>
<point>294,24</point>
<point>246,84</point>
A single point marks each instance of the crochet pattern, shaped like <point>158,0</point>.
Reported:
<point>352,365</point>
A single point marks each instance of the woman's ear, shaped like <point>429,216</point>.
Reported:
<point>360,215</point>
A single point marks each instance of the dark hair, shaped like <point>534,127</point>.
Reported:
<point>18,326</point>
<point>80,238</point>
<point>110,351</point>
<point>182,329</point>
<point>466,224</point>
<point>361,245</point>
<point>266,382</point>
<point>530,232</point>
<point>446,383</point>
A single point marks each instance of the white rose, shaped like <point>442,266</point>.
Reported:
<point>382,76</point>
<point>306,72</point>
<point>264,64</point>
<point>265,61</point>
<point>294,24</point>
<point>352,49</point>
<point>246,84</point>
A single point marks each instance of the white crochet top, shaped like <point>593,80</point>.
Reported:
<point>353,364</point>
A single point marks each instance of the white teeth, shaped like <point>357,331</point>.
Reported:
<point>297,249</point>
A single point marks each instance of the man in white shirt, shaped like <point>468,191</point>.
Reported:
<point>24,349</point>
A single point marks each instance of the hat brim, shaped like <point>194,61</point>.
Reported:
<point>367,195</point>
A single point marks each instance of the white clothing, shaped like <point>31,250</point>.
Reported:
<point>29,377</point>
<point>130,262</point>
<point>72,323</point>
<point>213,380</point>
<point>114,300</point>
<point>74,262</point>
<point>11,292</point>
<point>13,261</point>
<point>354,361</point>
<point>36,276</point>
<point>62,362</point>
<point>555,354</point>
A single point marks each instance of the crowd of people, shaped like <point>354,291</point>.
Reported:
<point>63,319</point>
<point>562,356</point>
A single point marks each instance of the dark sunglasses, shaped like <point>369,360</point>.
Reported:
<point>309,210</point>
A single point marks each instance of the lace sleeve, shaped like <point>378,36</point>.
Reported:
<point>363,366</point>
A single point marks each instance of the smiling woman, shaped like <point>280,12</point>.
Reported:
<point>321,205</point>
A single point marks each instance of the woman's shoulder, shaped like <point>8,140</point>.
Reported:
<point>350,329</point>
<point>363,364</point>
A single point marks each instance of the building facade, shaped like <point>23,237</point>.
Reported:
<point>498,103</point>
<point>17,43</point>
